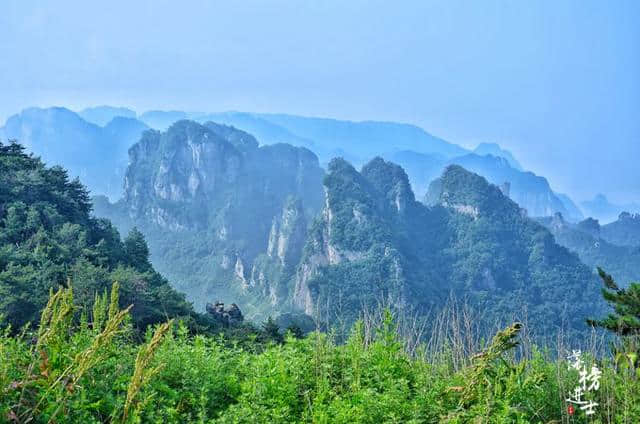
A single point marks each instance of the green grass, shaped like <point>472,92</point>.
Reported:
<point>90,372</point>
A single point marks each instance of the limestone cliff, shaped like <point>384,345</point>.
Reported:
<point>212,193</point>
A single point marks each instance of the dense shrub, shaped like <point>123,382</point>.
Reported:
<point>94,371</point>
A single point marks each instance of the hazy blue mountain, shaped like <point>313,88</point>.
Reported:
<point>600,207</point>
<point>598,245</point>
<point>98,155</point>
<point>102,115</point>
<point>328,138</point>
<point>625,231</point>
<point>495,150</point>
<point>364,139</point>
<point>530,191</point>
<point>267,132</point>
<point>573,212</point>
<point>161,119</point>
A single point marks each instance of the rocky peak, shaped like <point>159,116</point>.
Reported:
<point>471,194</point>
<point>355,226</point>
<point>187,164</point>
<point>240,139</point>
<point>391,181</point>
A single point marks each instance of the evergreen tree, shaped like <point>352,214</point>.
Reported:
<point>625,320</point>
<point>136,250</point>
<point>48,238</point>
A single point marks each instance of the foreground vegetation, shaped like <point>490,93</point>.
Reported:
<point>90,369</point>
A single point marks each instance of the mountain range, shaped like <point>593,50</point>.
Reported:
<point>267,227</point>
<point>272,222</point>
<point>97,154</point>
<point>614,247</point>
<point>93,144</point>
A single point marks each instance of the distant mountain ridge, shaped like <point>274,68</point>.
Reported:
<point>530,191</point>
<point>614,246</point>
<point>600,207</point>
<point>102,115</point>
<point>96,154</point>
<point>421,154</point>
<point>494,149</point>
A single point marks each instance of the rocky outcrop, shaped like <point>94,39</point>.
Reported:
<point>226,316</point>
<point>288,233</point>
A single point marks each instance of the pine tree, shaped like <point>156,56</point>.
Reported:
<point>625,320</point>
<point>137,251</point>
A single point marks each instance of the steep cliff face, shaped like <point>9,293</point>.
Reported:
<point>272,271</point>
<point>288,233</point>
<point>187,169</point>
<point>210,198</point>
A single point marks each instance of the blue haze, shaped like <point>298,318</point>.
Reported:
<point>555,82</point>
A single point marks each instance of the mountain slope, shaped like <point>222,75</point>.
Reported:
<point>48,238</point>
<point>373,241</point>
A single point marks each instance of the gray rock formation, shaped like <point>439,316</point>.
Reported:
<point>228,316</point>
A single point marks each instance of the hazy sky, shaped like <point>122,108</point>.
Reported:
<point>556,82</point>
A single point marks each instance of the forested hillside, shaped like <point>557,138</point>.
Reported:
<point>374,240</point>
<point>48,238</point>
